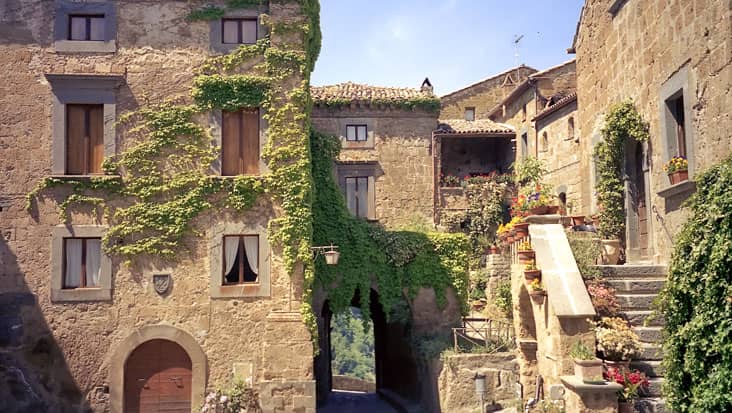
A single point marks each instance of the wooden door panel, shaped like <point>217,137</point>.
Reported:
<point>250,143</point>
<point>158,379</point>
<point>230,149</point>
<point>75,140</point>
<point>96,138</point>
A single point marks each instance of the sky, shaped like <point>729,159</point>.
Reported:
<point>453,42</point>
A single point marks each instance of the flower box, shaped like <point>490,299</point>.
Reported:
<point>678,176</point>
<point>539,210</point>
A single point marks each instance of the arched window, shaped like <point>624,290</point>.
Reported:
<point>544,142</point>
<point>570,128</point>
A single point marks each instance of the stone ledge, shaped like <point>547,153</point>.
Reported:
<point>576,384</point>
<point>544,219</point>
<point>285,316</point>
<point>682,188</point>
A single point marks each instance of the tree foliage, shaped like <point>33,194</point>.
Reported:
<point>697,301</point>
<point>352,342</point>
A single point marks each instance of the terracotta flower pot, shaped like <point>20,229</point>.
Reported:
<point>678,176</point>
<point>537,295</point>
<point>626,407</point>
<point>494,250</point>
<point>553,209</point>
<point>526,257</point>
<point>540,210</point>
<point>577,220</point>
<point>621,365</point>
<point>610,251</point>
<point>531,275</point>
<point>588,370</point>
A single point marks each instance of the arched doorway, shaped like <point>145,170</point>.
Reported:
<point>158,378</point>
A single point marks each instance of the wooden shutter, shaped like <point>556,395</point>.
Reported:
<point>250,142</point>
<point>75,140</point>
<point>230,149</point>
<point>96,138</point>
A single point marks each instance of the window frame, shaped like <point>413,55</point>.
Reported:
<point>217,288</point>
<point>369,170</point>
<point>216,27</point>
<point>87,149</point>
<point>87,30</point>
<point>59,294</point>
<point>239,29</point>
<point>65,9</point>
<point>356,128</point>
<point>570,128</point>
<point>240,254</point>
<point>83,262</point>
<point>356,180</point>
<point>218,131</point>
<point>678,85</point>
<point>468,109</point>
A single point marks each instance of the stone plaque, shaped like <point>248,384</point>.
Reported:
<point>161,282</point>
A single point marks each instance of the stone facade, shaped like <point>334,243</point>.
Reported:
<point>72,354</point>
<point>646,51</point>
<point>483,95</point>
<point>400,155</point>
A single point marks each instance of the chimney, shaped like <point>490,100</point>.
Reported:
<point>426,87</point>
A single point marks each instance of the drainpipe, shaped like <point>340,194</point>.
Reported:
<point>535,400</point>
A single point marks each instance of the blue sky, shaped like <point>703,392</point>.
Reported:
<point>453,42</point>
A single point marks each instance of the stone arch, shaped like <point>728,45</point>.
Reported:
<point>147,333</point>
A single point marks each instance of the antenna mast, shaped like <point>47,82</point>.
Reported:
<point>516,39</point>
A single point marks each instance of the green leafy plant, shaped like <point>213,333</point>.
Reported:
<point>696,302</point>
<point>239,398</point>
<point>586,249</point>
<point>622,122</point>
<point>529,171</point>
<point>581,352</point>
<point>503,299</point>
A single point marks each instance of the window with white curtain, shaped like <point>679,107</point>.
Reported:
<point>241,259</point>
<point>82,258</point>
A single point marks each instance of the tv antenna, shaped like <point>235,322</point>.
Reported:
<point>516,39</point>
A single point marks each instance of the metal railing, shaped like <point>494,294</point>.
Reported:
<point>483,333</point>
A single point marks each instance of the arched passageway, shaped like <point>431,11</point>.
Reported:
<point>395,365</point>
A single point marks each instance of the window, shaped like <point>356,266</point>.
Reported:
<point>86,27</point>
<point>469,113</point>
<point>570,128</point>
<point>523,112</point>
<point>678,127</point>
<point>544,142</point>
<point>80,270</point>
<point>241,259</point>
<point>239,31</point>
<point>524,145</point>
<point>84,139</point>
<point>240,142</point>
<point>82,259</point>
<point>356,133</point>
<point>357,195</point>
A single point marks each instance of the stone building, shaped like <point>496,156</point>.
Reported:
<point>81,330</point>
<point>672,58</point>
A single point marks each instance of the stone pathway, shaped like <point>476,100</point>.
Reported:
<point>341,401</point>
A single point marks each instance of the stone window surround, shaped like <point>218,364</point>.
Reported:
<point>64,8</point>
<point>360,169</point>
<point>216,121</point>
<point>147,333</point>
<point>216,27</point>
<point>261,288</point>
<point>59,294</point>
<point>346,144</point>
<point>678,84</point>
<point>81,89</point>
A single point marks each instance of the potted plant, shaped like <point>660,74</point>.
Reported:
<point>525,252</point>
<point>632,382</point>
<point>449,181</point>
<point>531,272</point>
<point>537,290</point>
<point>577,220</point>
<point>677,169</point>
<point>616,341</point>
<point>494,249</point>
<point>586,365</point>
<point>521,229</point>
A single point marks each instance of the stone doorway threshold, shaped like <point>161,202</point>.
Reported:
<point>343,401</point>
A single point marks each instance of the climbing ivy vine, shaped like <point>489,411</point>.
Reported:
<point>399,262</point>
<point>696,302</point>
<point>622,122</point>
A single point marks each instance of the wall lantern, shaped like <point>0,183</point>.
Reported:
<point>330,252</point>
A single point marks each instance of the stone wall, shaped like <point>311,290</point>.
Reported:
<point>68,350</point>
<point>483,95</point>
<point>402,151</point>
<point>562,154</point>
<point>632,55</point>
<point>456,382</point>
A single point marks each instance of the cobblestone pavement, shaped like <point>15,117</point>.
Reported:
<point>355,402</point>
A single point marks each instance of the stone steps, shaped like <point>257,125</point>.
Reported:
<point>632,271</point>
<point>652,368</point>
<point>636,301</point>
<point>643,318</point>
<point>651,405</point>
<point>650,334</point>
<point>637,285</point>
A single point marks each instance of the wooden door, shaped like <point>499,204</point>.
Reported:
<point>639,201</point>
<point>240,142</point>
<point>158,379</point>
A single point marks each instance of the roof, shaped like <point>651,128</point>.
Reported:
<point>556,106</point>
<point>551,69</point>
<point>362,93</point>
<point>521,88</point>
<point>488,79</point>
<point>473,127</point>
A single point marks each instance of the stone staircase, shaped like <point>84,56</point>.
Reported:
<point>636,287</point>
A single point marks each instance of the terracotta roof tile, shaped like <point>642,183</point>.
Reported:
<point>363,93</point>
<point>556,106</point>
<point>478,126</point>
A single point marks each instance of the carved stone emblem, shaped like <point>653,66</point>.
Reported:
<point>161,282</point>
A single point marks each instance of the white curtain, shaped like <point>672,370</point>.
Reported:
<point>72,276</point>
<point>251,246</point>
<point>93,256</point>
<point>231,247</point>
